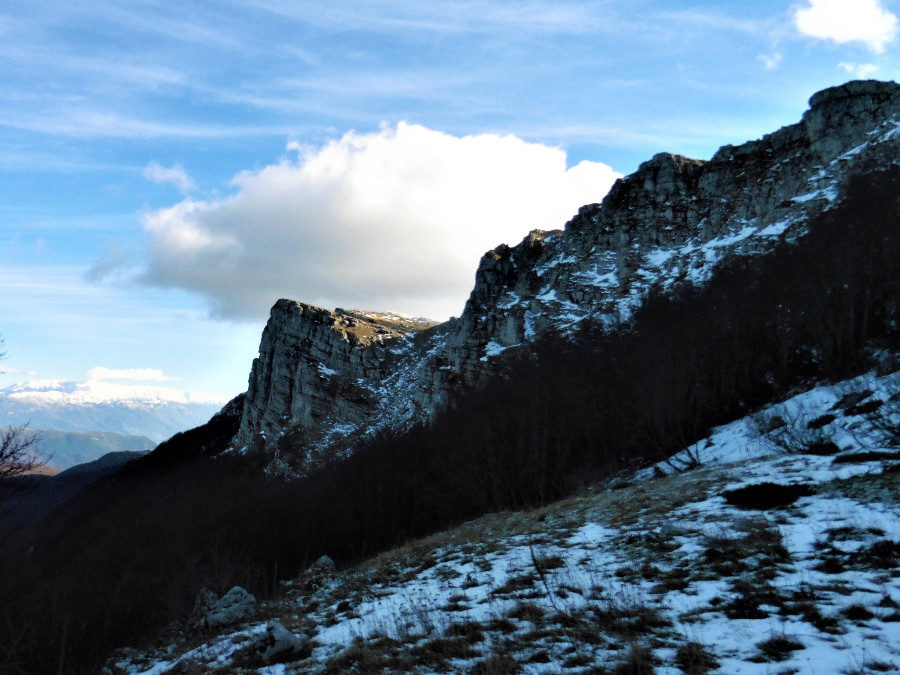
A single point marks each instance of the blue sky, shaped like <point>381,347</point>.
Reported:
<point>169,169</point>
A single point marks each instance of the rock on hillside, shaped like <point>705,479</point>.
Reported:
<point>329,378</point>
<point>317,366</point>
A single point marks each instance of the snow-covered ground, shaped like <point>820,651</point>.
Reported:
<point>666,569</point>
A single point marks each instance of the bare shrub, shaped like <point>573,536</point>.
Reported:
<point>695,659</point>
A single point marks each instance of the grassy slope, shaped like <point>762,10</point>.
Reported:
<point>659,572</point>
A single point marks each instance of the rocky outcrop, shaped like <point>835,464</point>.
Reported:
<point>324,379</point>
<point>313,367</point>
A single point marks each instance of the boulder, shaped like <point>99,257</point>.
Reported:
<point>279,642</point>
<point>230,608</point>
<point>323,564</point>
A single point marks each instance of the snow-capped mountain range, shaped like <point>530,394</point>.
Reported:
<point>100,391</point>
<point>97,405</point>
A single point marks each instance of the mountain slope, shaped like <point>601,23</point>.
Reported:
<point>674,567</point>
<point>671,221</point>
<point>21,512</point>
<point>66,449</point>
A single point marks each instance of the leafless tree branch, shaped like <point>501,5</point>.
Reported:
<point>18,451</point>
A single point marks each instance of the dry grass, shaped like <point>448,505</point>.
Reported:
<point>777,648</point>
<point>695,659</point>
<point>757,547</point>
<point>496,665</point>
<point>527,611</point>
<point>639,661</point>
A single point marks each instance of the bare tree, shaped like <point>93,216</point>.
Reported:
<point>18,448</point>
<point>18,452</point>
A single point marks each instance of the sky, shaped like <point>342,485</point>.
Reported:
<point>168,170</point>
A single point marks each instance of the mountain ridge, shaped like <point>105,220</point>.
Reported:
<point>64,450</point>
<point>665,224</point>
<point>99,391</point>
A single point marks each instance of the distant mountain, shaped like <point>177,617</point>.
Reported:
<point>65,449</point>
<point>154,412</point>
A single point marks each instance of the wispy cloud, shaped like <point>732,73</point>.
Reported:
<point>184,23</point>
<point>770,61</point>
<point>860,70</point>
<point>843,21</point>
<point>113,260</point>
<point>101,72</point>
<point>472,16</point>
<point>96,123</point>
<point>676,135</point>
<point>173,175</point>
<point>698,21</point>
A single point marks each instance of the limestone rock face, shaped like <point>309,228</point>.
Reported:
<point>311,368</point>
<point>329,378</point>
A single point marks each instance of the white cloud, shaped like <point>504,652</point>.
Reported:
<point>859,70</point>
<point>770,61</point>
<point>175,175</point>
<point>844,21</point>
<point>393,220</point>
<point>135,374</point>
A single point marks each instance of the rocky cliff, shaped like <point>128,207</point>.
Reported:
<point>315,372</point>
<point>326,379</point>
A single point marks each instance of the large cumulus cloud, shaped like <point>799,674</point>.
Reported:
<point>393,220</point>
